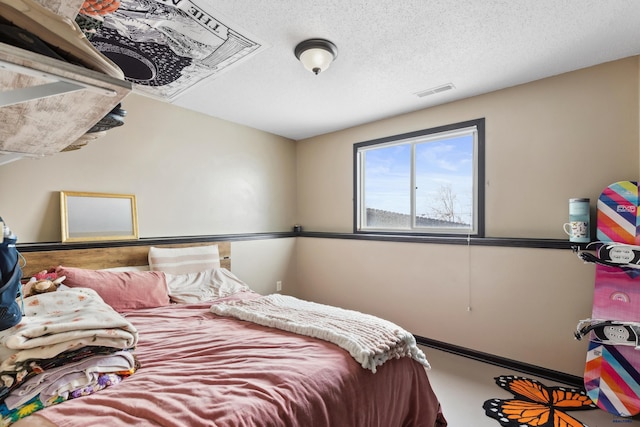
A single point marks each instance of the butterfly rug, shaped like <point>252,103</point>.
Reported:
<point>536,405</point>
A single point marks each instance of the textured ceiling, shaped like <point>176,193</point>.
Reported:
<point>390,50</point>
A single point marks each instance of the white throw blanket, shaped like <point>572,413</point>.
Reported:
<point>369,339</point>
<point>60,321</point>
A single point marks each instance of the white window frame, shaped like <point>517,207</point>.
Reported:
<point>471,127</point>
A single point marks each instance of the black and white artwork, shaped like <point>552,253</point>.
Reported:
<point>165,47</point>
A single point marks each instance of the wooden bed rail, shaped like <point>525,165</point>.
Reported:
<point>98,258</point>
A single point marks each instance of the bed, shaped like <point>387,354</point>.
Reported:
<point>199,362</point>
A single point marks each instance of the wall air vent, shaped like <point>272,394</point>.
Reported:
<point>434,90</point>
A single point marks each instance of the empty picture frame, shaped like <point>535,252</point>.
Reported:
<point>98,216</point>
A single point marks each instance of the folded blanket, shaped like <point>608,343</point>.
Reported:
<point>10,416</point>
<point>61,321</point>
<point>11,380</point>
<point>370,340</point>
<point>69,377</point>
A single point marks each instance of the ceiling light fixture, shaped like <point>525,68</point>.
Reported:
<point>316,54</point>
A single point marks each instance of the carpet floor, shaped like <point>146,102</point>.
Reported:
<point>463,386</point>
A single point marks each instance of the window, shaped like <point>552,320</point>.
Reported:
<point>425,182</point>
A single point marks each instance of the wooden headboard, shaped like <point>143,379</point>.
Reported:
<point>98,258</point>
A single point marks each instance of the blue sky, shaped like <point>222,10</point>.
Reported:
<point>439,164</point>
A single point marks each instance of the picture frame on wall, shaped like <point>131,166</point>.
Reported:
<point>87,217</point>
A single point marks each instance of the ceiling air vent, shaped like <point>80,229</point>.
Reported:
<point>434,90</point>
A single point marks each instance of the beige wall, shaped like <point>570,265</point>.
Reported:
<point>522,304</point>
<point>191,174</point>
<point>547,141</point>
<point>261,263</point>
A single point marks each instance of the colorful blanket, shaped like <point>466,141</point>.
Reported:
<point>11,381</point>
<point>370,340</point>
<point>9,416</point>
<point>61,321</point>
<point>62,380</point>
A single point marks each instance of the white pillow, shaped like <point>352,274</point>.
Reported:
<point>192,259</point>
<point>203,286</point>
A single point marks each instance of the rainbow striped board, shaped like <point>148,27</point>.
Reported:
<point>618,214</point>
<point>612,372</point>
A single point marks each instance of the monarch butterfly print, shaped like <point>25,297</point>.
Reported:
<point>536,405</point>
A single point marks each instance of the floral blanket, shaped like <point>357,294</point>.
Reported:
<point>69,343</point>
<point>62,321</point>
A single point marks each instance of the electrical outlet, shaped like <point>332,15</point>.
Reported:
<point>278,286</point>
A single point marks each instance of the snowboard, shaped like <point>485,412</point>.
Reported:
<point>611,375</point>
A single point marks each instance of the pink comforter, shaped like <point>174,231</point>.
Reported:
<point>199,369</point>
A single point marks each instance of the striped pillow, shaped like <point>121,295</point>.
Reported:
<point>193,259</point>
